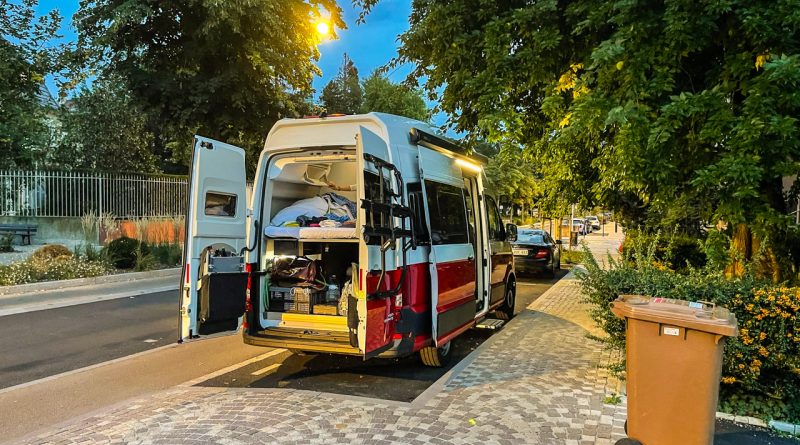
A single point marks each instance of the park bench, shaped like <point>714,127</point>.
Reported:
<point>25,231</point>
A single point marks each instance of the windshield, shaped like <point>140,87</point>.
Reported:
<point>530,236</point>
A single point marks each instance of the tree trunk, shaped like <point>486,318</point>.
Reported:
<point>741,250</point>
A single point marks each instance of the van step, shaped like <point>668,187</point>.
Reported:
<point>492,324</point>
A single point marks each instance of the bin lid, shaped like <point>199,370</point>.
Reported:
<point>699,316</point>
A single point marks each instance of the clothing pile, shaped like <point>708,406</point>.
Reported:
<point>326,210</point>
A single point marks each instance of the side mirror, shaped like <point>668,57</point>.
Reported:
<point>558,241</point>
<point>511,233</point>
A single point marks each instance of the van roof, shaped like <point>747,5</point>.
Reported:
<point>340,130</point>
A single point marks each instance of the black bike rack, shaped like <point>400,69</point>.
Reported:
<point>389,205</point>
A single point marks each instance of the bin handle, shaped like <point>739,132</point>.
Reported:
<point>708,303</point>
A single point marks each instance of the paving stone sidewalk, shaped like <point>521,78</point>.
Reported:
<point>540,380</point>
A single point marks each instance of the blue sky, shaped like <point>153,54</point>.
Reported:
<point>370,45</point>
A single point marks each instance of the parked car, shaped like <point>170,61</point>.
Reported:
<point>578,225</point>
<point>593,221</point>
<point>536,251</point>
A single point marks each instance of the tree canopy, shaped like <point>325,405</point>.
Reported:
<point>682,112</point>
<point>103,129</point>
<point>382,95</point>
<point>226,70</point>
<point>343,94</point>
<point>27,57</point>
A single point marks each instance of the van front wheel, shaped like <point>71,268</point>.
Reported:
<point>506,310</point>
<point>436,357</point>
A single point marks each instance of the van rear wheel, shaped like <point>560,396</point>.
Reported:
<point>436,357</point>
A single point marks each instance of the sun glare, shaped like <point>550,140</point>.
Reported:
<point>323,28</point>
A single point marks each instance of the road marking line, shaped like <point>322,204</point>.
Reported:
<point>266,370</point>
<point>234,367</point>
<point>150,340</point>
<point>43,305</point>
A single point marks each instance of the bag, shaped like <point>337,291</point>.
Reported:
<point>296,269</point>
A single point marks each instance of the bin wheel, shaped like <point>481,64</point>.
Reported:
<point>628,441</point>
<point>436,357</point>
<point>626,426</point>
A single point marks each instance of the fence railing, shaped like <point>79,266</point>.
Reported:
<point>74,194</point>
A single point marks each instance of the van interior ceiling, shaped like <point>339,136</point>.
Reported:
<point>310,247</point>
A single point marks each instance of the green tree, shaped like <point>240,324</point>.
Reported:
<point>104,130</point>
<point>27,57</point>
<point>382,95</point>
<point>680,111</point>
<point>512,178</point>
<point>226,70</point>
<point>343,93</point>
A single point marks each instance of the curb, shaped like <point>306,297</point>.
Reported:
<point>13,291</point>
<point>777,425</point>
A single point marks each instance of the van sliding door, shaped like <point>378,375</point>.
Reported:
<point>452,258</point>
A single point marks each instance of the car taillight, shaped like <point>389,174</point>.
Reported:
<point>542,253</point>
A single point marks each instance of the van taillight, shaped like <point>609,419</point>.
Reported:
<point>187,272</point>
<point>248,306</point>
<point>542,253</point>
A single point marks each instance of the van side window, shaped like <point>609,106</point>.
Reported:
<point>448,213</point>
<point>496,232</point>
<point>220,204</point>
<point>418,212</point>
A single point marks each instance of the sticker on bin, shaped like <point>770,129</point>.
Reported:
<point>697,305</point>
<point>671,331</point>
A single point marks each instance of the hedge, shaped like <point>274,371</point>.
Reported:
<point>761,369</point>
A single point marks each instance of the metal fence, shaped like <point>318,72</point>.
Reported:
<point>66,194</point>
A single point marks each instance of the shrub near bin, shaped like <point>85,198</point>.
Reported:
<point>761,368</point>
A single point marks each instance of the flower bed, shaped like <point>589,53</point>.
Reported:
<point>761,369</point>
<point>64,267</point>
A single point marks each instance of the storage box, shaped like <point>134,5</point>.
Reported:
<point>325,309</point>
<point>294,299</point>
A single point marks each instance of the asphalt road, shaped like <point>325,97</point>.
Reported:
<point>39,344</point>
<point>402,379</point>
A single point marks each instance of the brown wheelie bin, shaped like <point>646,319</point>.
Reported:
<point>674,362</point>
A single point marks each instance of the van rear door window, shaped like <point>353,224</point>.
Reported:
<point>448,213</point>
<point>220,204</point>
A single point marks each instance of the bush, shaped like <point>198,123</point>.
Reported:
<point>168,255</point>
<point>123,252</point>
<point>88,252</point>
<point>676,251</point>
<point>5,243</point>
<point>761,369</point>
<point>51,251</point>
<point>48,269</point>
<point>572,256</point>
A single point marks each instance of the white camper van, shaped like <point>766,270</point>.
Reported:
<point>366,235</point>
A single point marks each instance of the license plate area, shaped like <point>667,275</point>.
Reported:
<point>520,252</point>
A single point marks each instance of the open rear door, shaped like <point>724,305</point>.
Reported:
<point>452,258</point>
<point>377,271</point>
<point>213,283</point>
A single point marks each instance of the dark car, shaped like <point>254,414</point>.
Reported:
<point>536,251</point>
